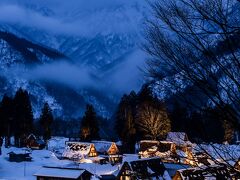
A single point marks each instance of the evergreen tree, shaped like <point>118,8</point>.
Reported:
<point>6,118</point>
<point>179,117</point>
<point>23,116</point>
<point>89,129</point>
<point>125,121</point>
<point>229,124</point>
<point>46,119</point>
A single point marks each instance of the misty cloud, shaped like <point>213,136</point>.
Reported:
<point>59,72</point>
<point>81,18</point>
<point>127,76</point>
<point>64,73</point>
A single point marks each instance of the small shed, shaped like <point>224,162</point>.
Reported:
<point>57,173</point>
<point>79,150</point>
<point>20,155</point>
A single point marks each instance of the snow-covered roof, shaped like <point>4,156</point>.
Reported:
<point>207,172</point>
<point>77,149</point>
<point>173,167</point>
<point>178,137</point>
<point>102,146</point>
<point>149,141</point>
<point>31,135</point>
<point>130,157</point>
<point>19,150</point>
<point>59,172</point>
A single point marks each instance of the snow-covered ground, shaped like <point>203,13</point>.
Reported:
<point>26,170</point>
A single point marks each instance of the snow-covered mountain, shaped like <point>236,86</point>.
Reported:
<point>82,52</point>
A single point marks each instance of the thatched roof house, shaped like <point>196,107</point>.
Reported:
<point>34,143</point>
<point>106,147</point>
<point>79,150</point>
<point>161,149</point>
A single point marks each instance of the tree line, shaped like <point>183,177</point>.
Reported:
<point>16,118</point>
<point>138,116</point>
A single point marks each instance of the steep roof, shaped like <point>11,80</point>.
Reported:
<point>77,149</point>
<point>178,137</point>
<point>32,136</point>
<point>216,171</point>
<point>149,167</point>
<point>104,146</point>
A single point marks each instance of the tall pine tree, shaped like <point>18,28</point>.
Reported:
<point>23,116</point>
<point>125,121</point>
<point>6,119</point>
<point>89,129</point>
<point>46,119</point>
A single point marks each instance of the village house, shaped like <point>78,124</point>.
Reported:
<point>34,143</point>
<point>58,173</point>
<point>109,150</point>
<point>148,148</point>
<point>19,155</point>
<point>80,151</point>
<point>179,138</point>
<point>183,147</point>
<point>166,150</point>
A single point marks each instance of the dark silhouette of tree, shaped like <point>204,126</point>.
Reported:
<point>196,42</point>
<point>23,117</point>
<point>6,119</point>
<point>89,129</point>
<point>46,120</point>
<point>178,116</point>
<point>125,121</point>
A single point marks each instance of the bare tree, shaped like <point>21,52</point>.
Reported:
<point>196,43</point>
<point>152,121</point>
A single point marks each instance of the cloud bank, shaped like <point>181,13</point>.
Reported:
<point>79,18</point>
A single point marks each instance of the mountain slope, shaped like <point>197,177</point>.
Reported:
<point>100,40</point>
